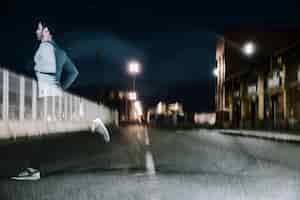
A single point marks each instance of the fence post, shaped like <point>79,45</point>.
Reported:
<point>71,106</point>
<point>34,100</point>
<point>116,117</point>
<point>60,113</point>
<point>53,117</point>
<point>76,105</point>
<point>45,108</point>
<point>5,94</point>
<point>66,105</point>
<point>22,98</point>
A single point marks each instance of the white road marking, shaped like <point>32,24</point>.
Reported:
<point>150,165</point>
<point>147,140</point>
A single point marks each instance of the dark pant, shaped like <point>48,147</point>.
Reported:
<point>32,154</point>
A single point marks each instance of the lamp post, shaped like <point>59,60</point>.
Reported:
<point>248,48</point>
<point>133,68</point>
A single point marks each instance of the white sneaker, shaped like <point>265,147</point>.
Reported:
<point>99,127</point>
<point>29,174</point>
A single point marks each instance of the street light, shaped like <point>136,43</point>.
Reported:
<point>132,96</point>
<point>134,68</point>
<point>215,72</point>
<point>249,48</point>
<point>138,108</point>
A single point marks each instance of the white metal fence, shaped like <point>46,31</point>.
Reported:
<point>19,104</point>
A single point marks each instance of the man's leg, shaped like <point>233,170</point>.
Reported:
<point>31,150</point>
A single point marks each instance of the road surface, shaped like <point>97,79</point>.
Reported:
<point>143,163</point>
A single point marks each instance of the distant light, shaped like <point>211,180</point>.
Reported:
<point>249,48</point>
<point>175,107</point>
<point>216,72</point>
<point>134,67</point>
<point>138,108</point>
<point>132,96</point>
<point>161,108</point>
<point>121,95</point>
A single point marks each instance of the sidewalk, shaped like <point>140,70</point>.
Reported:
<point>281,136</point>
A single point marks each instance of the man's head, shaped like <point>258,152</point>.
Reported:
<point>44,32</point>
<point>39,31</point>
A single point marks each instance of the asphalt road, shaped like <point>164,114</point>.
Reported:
<point>143,163</point>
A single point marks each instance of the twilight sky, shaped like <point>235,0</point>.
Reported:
<point>175,42</point>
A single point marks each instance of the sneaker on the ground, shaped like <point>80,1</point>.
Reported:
<point>29,174</point>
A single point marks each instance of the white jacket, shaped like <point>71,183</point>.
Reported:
<point>44,58</point>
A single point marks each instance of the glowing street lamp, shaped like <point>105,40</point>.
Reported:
<point>249,48</point>
<point>215,72</point>
<point>132,96</point>
<point>138,108</point>
<point>134,68</point>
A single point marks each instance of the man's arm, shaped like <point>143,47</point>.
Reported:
<point>70,74</point>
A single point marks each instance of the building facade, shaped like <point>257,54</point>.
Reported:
<point>260,90</point>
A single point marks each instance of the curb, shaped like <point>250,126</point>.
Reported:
<point>262,134</point>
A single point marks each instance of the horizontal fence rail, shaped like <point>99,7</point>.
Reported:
<point>22,113</point>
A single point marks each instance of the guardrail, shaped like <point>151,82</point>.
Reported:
<point>22,113</point>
